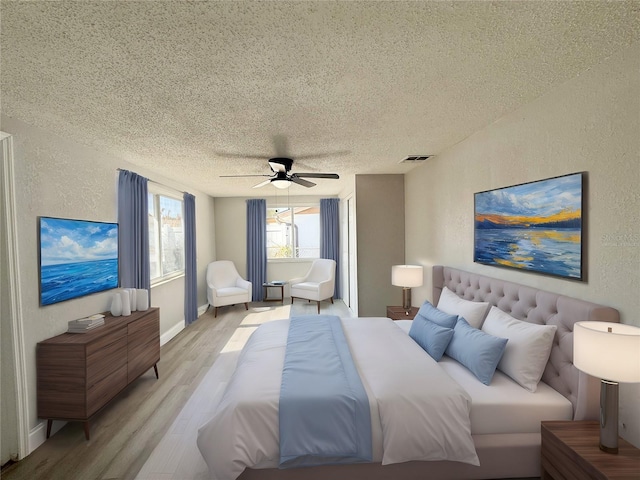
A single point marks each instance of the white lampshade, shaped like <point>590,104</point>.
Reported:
<point>282,184</point>
<point>611,355</point>
<point>406,275</point>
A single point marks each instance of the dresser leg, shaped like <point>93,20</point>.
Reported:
<point>86,430</point>
<point>49,423</point>
<point>155,369</point>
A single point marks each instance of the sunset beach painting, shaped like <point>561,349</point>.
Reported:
<point>534,226</point>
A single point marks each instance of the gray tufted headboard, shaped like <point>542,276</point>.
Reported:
<point>541,307</point>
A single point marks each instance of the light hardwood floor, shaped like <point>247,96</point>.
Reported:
<point>126,432</point>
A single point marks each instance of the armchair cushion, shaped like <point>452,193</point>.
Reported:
<point>228,291</point>
<point>311,286</point>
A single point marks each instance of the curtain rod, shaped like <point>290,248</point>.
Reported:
<point>157,183</point>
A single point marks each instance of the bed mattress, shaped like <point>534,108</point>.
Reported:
<point>504,406</point>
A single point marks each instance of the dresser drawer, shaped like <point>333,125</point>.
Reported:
<point>108,359</point>
<point>148,325</point>
<point>103,391</point>
<point>96,346</point>
<point>144,345</point>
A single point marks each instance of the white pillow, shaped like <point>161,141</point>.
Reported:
<point>472,312</point>
<point>527,350</point>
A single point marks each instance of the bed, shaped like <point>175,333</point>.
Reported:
<point>507,443</point>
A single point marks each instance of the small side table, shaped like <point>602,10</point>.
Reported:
<point>570,450</point>
<point>268,285</point>
<point>399,313</point>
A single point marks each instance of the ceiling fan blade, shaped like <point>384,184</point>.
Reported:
<point>300,181</point>
<point>262,184</point>
<point>334,176</point>
<point>243,155</point>
<point>239,176</point>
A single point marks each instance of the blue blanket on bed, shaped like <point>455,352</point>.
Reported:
<point>324,409</point>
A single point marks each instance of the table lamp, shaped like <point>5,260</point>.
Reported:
<point>611,352</point>
<point>406,276</point>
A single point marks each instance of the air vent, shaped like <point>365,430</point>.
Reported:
<point>415,158</point>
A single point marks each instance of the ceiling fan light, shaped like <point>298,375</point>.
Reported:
<point>279,183</point>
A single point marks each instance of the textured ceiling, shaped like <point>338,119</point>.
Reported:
<point>194,89</point>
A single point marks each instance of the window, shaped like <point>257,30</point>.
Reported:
<point>293,232</point>
<point>166,236</point>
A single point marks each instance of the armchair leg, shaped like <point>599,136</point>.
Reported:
<point>331,300</point>
<point>246,306</point>
<point>208,307</point>
<point>318,307</point>
<point>215,312</point>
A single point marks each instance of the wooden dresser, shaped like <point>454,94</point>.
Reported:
<point>79,373</point>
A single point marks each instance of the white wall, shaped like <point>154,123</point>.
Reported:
<point>592,124</point>
<point>56,177</point>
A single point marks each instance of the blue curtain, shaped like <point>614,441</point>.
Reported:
<point>133,220</point>
<point>330,235</point>
<point>257,246</point>
<point>190,266</point>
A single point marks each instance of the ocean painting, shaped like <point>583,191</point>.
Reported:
<point>77,258</point>
<point>535,226</point>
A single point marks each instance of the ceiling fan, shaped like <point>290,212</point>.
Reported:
<point>282,177</point>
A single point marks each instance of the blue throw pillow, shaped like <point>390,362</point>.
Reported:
<point>434,315</point>
<point>432,337</point>
<point>476,350</point>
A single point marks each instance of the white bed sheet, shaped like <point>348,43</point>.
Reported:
<point>244,430</point>
<point>504,406</point>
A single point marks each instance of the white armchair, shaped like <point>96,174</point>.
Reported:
<point>225,286</point>
<point>318,284</point>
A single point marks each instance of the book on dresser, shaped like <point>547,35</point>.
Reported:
<point>83,325</point>
<point>77,375</point>
<point>90,318</point>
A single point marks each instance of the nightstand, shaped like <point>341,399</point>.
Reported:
<point>570,450</point>
<point>399,313</point>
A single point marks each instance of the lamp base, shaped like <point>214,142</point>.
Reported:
<point>406,298</point>
<point>609,416</point>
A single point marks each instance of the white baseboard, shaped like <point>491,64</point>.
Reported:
<point>38,434</point>
<point>172,332</point>
<point>178,327</point>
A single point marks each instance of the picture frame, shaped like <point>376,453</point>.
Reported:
<point>76,258</point>
<point>535,227</point>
